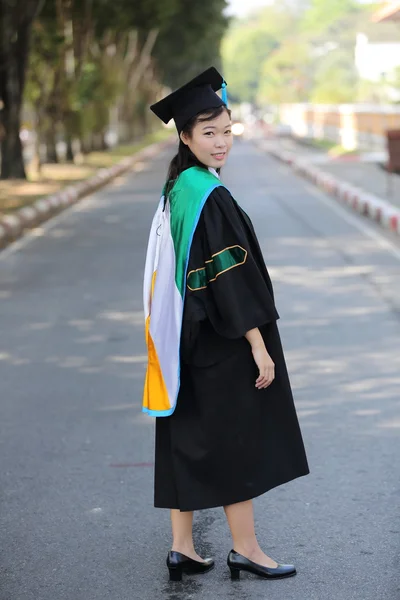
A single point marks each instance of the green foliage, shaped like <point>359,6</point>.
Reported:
<point>125,15</point>
<point>335,80</point>
<point>248,45</point>
<point>327,17</point>
<point>93,59</point>
<point>244,53</point>
<point>285,76</point>
<point>190,41</point>
<point>295,51</point>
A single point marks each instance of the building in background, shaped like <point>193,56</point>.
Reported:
<point>379,62</point>
<point>389,12</point>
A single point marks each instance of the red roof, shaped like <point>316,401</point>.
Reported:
<point>389,12</point>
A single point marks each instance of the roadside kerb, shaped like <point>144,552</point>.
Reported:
<point>12,226</point>
<point>369,205</point>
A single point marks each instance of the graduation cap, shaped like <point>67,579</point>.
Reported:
<point>194,97</point>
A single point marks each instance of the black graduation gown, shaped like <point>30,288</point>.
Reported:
<point>227,441</point>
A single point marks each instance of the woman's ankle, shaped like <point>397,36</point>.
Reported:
<point>247,549</point>
<point>184,547</point>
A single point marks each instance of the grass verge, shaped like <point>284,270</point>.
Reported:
<point>16,193</point>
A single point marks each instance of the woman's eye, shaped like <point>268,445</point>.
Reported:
<point>228,131</point>
<point>208,133</point>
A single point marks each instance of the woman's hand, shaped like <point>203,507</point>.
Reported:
<point>266,366</point>
<point>262,359</point>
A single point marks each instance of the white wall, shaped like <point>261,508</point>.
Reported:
<point>375,60</point>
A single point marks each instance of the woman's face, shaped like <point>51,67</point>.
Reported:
<point>211,141</point>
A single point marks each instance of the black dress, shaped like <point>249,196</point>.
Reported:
<point>227,441</point>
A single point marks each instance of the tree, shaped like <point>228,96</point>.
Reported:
<point>244,52</point>
<point>296,50</point>
<point>331,33</point>
<point>335,79</point>
<point>46,79</point>
<point>285,75</point>
<point>251,43</point>
<point>16,18</point>
<point>329,19</point>
<point>92,59</point>
<point>190,42</point>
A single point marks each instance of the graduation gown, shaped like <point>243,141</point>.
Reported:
<point>226,441</point>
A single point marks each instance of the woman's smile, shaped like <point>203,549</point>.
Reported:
<point>219,155</point>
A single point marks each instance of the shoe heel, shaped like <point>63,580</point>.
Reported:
<point>175,574</point>
<point>235,573</point>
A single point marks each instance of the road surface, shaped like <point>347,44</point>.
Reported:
<point>76,515</point>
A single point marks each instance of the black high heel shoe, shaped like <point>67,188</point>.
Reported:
<point>178,563</point>
<point>237,563</point>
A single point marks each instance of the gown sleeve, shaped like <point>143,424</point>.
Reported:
<point>227,280</point>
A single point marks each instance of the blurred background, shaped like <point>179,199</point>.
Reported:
<point>77,76</point>
<point>312,82</point>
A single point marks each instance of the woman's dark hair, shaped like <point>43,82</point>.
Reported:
<point>185,157</point>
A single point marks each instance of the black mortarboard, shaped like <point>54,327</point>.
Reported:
<point>194,97</point>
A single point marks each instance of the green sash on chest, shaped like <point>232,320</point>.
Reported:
<point>187,200</point>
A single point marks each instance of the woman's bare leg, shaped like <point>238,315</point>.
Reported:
<point>240,517</point>
<point>182,533</point>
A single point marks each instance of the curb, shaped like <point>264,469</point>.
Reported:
<point>14,225</point>
<point>369,205</point>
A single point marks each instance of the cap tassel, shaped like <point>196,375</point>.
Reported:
<point>224,94</point>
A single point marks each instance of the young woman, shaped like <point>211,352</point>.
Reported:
<point>217,383</point>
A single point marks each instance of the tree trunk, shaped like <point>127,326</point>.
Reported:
<point>85,145</point>
<point>131,129</point>
<point>12,161</point>
<point>104,145</point>
<point>51,149</point>
<point>70,152</point>
<point>97,142</point>
<point>144,60</point>
<point>37,159</point>
<point>14,50</point>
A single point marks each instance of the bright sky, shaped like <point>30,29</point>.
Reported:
<point>241,7</point>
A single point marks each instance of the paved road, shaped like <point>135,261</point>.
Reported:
<point>364,171</point>
<point>77,521</point>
